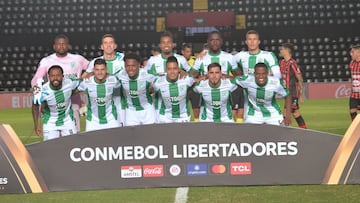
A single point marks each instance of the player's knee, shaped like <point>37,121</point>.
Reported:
<point>295,113</point>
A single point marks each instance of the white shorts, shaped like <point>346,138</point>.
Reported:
<point>223,120</point>
<point>146,116</point>
<point>120,111</point>
<point>273,120</point>
<point>51,132</point>
<point>164,119</point>
<point>95,125</point>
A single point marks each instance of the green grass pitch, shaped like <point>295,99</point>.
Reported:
<point>328,115</point>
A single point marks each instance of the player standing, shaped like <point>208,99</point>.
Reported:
<point>215,94</point>
<point>101,111</point>
<point>247,60</point>
<point>355,80</point>
<point>136,84</point>
<point>72,65</point>
<point>214,54</point>
<point>114,64</point>
<point>173,91</point>
<point>58,117</point>
<point>261,93</point>
<point>291,75</point>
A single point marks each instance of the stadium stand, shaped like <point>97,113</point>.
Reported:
<point>322,31</point>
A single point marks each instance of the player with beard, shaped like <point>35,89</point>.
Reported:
<point>72,64</point>
<point>262,91</point>
<point>214,54</point>
<point>157,64</point>
<point>215,94</point>
<point>101,108</point>
<point>58,117</point>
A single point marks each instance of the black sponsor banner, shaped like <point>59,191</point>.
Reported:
<point>173,155</point>
<point>18,173</point>
<point>186,154</point>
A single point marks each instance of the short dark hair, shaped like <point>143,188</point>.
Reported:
<point>288,46</point>
<point>171,59</point>
<point>167,34</point>
<point>99,61</point>
<point>356,46</point>
<point>186,46</point>
<point>261,65</point>
<point>61,36</point>
<point>132,56</point>
<point>56,67</point>
<point>215,32</point>
<point>250,32</point>
<point>108,35</point>
<point>212,65</point>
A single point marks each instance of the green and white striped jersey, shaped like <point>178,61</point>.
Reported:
<point>215,102</point>
<point>263,98</point>
<point>247,61</point>
<point>157,64</point>
<point>101,107</point>
<point>113,66</point>
<point>226,60</point>
<point>58,103</point>
<point>137,91</point>
<point>174,96</point>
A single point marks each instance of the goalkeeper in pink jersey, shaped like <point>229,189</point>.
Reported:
<point>72,64</point>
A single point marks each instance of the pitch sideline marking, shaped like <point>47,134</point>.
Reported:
<point>181,195</point>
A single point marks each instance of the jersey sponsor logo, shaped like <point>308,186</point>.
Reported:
<point>197,169</point>
<point>174,100</point>
<point>131,172</point>
<point>153,170</point>
<point>136,93</point>
<point>260,101</point>
<point>240,168</point>
<point>216,104</point>
<point>355,85</point>
<point>3,181</point>
<point>218,169</point>
<point>60,106</point>
<point>101,101</point>
<point>175,170</point>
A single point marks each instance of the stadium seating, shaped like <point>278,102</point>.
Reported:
<point>29,25</point>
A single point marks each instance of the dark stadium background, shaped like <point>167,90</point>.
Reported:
<point>322,30</point>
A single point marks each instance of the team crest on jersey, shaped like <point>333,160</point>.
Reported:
<point>226,82</point>
<point>109,89</point>
<point>73,65</point>
<point>203,84</point>
<point>223,64</point>
<point>224,94</point>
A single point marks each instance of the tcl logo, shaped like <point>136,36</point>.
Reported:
<point>3,181</point>
<point>241,168</point>
<point>153,170</point>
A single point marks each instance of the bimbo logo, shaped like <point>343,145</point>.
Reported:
<point>342,91</point>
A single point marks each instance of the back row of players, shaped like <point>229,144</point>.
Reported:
<point>121,93</point>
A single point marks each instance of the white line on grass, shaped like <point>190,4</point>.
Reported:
<point>181,194</point>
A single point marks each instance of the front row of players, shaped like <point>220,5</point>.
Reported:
<point>173,89</point>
